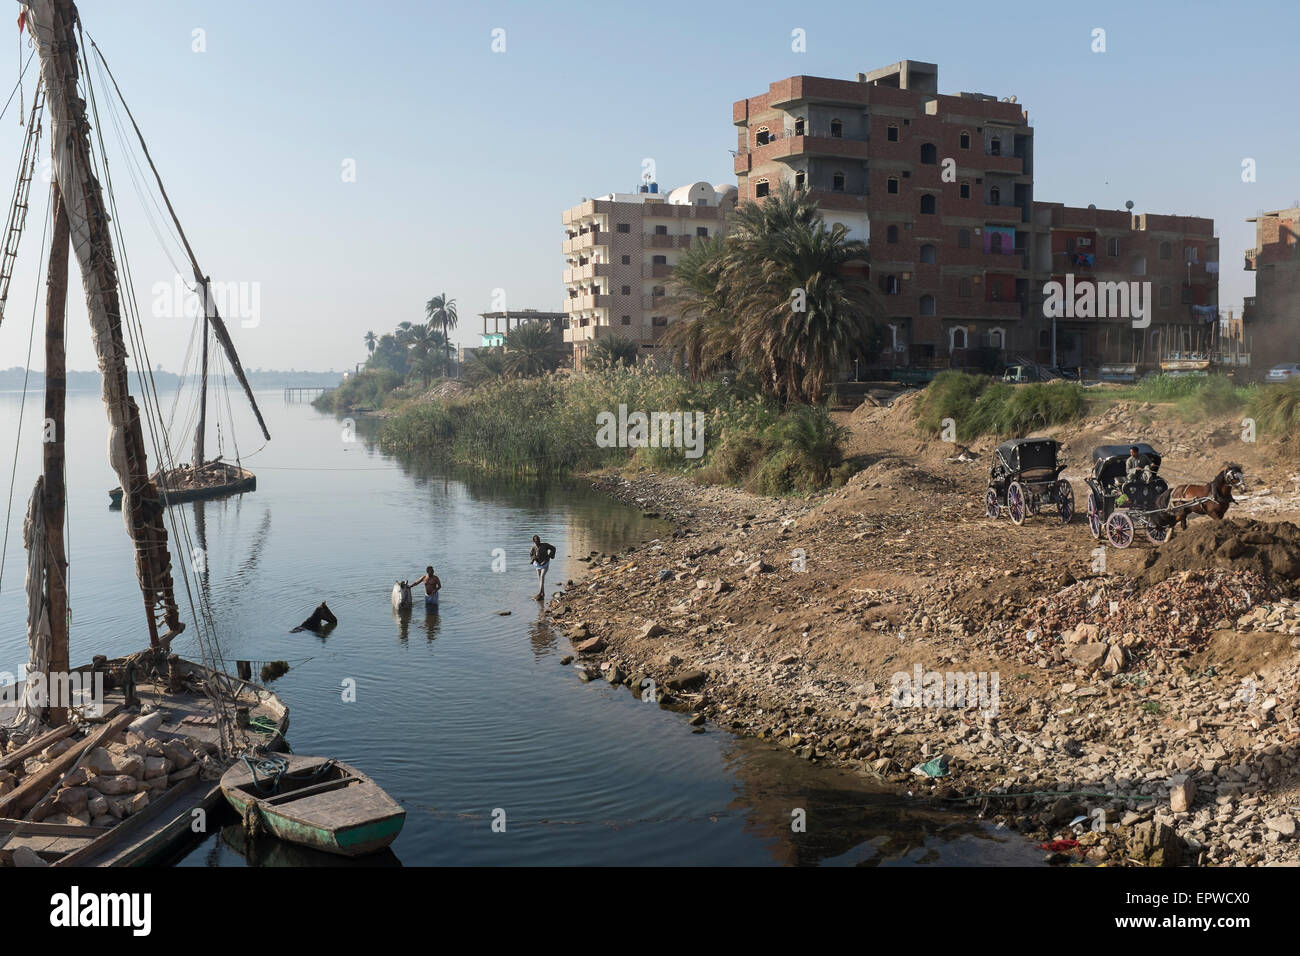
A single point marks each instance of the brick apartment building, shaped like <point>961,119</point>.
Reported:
<point>1272,317</point>
<point>942,187</point>
<point>620,250</point>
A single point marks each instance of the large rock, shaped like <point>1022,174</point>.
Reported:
<point>156,767</point>
<point>591,646</point>
<point>180,755</point>
<point>686,680</point>
<point>183,774</point>
<point>113,784</point>
<point>1182,793</point>
<point>72,799</point>
<point>105,762</point>
<point>1089,657</point>
<point>1283,824</point>
<point>1156,844</point>
<point>146,725</point>
<point>26,856</point>
<point>652,629</point>
<point>96,804</point>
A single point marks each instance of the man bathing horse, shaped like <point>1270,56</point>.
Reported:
<point>1212,499</point>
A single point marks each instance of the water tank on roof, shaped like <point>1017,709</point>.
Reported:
<point>654,187</point>
<point>643,188</point>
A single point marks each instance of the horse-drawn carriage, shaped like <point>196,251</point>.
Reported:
<point>1025,476</point>
<point>1122,499</point>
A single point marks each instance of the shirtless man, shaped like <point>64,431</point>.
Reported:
<point>431,588</point>
<point>540,555</point>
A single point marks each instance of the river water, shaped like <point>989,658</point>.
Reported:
<point>466,717</point>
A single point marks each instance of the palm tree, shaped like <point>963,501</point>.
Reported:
<point>531,350</point>
<point>441,310</point>
<point>486,365</point>
<point>704,335</point>
<point>611,351</point>
<point>802,312</point>
<point>371,341</point>
<point>424,352</point>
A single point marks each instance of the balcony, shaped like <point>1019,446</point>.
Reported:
<point>587,240</point>
<point>666,242</point>
<point>654,302</point>
<point>656,271</point>
<point>587,272</point>
<point>1251,256</point>
<point>582,303</point>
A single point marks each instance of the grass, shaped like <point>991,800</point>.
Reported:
<point>555,425</point>
<point>1276,409</point>
<point>977,405</point>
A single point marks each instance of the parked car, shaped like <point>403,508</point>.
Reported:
<point>1284,372</point>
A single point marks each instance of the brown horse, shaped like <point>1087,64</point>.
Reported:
<point>1211,499</point>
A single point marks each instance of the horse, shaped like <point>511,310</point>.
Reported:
<point>321,621</point>
<point>1215,496</point>
<point>401,596</point>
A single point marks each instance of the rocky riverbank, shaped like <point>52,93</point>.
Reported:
<point>1142,716</point>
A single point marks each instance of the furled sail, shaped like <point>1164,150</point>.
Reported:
<point>52,28</point>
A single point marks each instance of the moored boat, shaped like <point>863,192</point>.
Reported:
<point>216,479</point>
<point>315,802</point>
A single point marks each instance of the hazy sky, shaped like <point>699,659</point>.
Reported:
<point>465,157</point>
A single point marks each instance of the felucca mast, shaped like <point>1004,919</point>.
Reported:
<point>52,24</point>
<point>54,492</point>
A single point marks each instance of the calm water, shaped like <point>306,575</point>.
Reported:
<point>467,712</point>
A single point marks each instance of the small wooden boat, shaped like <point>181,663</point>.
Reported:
<point>315,802</point>
<point>216,479</point>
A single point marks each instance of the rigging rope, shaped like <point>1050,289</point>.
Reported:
<point>18,85</point>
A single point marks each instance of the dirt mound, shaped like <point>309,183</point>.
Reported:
<point>1265,547</point>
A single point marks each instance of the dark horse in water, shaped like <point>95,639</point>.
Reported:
<point>321,622</point>
<point>1211,499</point>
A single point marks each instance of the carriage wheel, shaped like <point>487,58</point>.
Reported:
<point>1016,502</point>
<point>1064,501</point>
<point>992,507</point>
<point>1095,520</point>
<point>1119,529</point>
<point>1159,533</point>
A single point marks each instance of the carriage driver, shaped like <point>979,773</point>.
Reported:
<point>1134,464</point>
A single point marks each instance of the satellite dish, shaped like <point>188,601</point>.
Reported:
<point>1129,204</point>
<point>1092,205</point>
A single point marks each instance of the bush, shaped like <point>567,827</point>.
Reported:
<point>367,389</point>
<point>979,406</point>
<point>1276,409</point>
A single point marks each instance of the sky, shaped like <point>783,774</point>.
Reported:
<point>335,165</point>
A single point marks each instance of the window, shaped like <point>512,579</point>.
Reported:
<point>1166,250</point>
<point>891,185</point>
<point>1185,295</point>
<point>995,243</point>
<point>1044,339</point>
<point>927,305</point>
<point>891,133</point>
<point>1166,295</point>
<point>963,238</point>
<point>627,260</point>
<point>965,190</point>
<point>1139,265</point>
<point>956,338</point>
<point>995,147</point>
<point>964,288</point>
<point>661,230</point>
<point>798,180</point>
<point>1190,255</point>
<point>929,154</point>
<point>657,290</point>
<point>891,234</point>
<point>659,321</point>
<point>929,254</point>
<point>627,290</point>
<point>760,189</point>
<point>623,227</point>
<point>627,320</point>
<point>996,338</point>
<point>1112,247</point>
<point>837,129</point>
<point>837,183</point>
<point>964,140</point>
<point>995,196</point>
<point>762,137</point>
<point>702,230</point>
<point>927,204</point>
<point>798,126</point>
<point>657,260</point>
<point>889,285</point>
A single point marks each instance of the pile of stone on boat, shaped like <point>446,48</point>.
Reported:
<point>129,764</point>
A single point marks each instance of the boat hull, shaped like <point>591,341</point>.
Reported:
<point>242,484</point>
<point>362,820</point>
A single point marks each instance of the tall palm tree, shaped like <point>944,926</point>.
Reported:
<point>611,351</point>
<point>704,334</point>
<point>441,310</point>
<point>802,308</point>
<point>371,341</point>
<point>531,350</point>
<point>424,351</point>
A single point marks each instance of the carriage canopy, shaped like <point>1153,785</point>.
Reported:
<point>1028,454</point>
<point>1108,461</point>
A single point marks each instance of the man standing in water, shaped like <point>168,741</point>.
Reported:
<point>540,556</point>
<point>431,588</point>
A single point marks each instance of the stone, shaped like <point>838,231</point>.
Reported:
<point>26,856</point>
<point>77,778</point>
<point>137,802</point>
<point>146,725</point>
<point>1283,824</point>
<point>686,680</point>
<point>591,646</point>
<point>1157,844</point>
<point>1182,793</point>
<point>652,629</point>
<point>180,755</point>
<point>103,820</point>
<point>1089,657</point>
<point>114,784</point>
<point>154,784</point>
<point>184,774</point>
<point>667,661</point>
<point>757,568</point>
<point>616,675</point>
<point>156,767</point>
<point>72,799</point>
<point>96,804</point>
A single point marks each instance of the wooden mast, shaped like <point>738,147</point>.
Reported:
<point>52,25</point>
<point>56,562</point>
<point>203,390</point>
